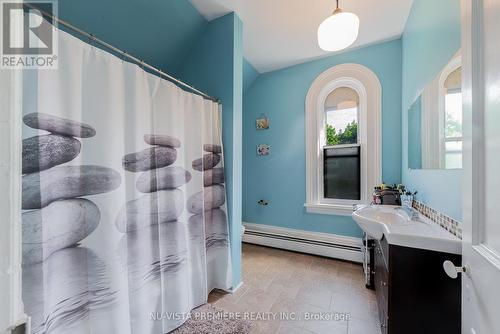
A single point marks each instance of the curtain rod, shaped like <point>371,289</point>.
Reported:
<point>123,53</point>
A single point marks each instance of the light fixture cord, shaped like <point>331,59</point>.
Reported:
<point>337,4</point>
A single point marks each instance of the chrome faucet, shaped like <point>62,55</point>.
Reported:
<point>356,207</point>
<point>411,212</point>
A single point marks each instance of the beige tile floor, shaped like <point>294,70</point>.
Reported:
<point>294,284</point>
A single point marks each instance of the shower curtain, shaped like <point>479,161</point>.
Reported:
<point>124,216</point>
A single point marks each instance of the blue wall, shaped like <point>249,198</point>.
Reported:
<point>250,74</point>
<point>280,177</point>
<point>160,32</point>
<point>430,39</point>
<point>215,65</point>
<point>415,134</point>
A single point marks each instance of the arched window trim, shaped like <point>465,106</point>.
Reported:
<point>367,86</point>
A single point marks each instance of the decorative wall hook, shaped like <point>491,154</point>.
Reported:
<point>91,40</point>
<point>263,203</point>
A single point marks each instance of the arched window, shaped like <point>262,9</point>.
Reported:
<point>343,158</point>
<point>442,118</point>
<point>341,153</point>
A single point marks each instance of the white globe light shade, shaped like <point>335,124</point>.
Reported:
<point>338,31</point>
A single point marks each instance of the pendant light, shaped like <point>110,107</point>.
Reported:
<point>338,31</point>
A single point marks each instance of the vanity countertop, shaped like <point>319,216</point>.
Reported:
<point>400,229</point>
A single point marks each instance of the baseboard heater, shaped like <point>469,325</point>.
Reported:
<point>333,246</point>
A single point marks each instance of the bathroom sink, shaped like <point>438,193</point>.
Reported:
<point>405,227</point>
<point>375,219</point>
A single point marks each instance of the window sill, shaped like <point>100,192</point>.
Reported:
<point>329,209</point>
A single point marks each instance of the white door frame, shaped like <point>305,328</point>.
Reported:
<point>11,305</point>
<point>480,290</point>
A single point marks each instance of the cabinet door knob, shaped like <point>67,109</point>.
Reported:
<point>451,270</point>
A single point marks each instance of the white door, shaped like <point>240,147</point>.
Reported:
<point>481,226</point>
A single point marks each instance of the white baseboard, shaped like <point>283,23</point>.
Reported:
<point>233,290</point>
<point>324,244</point>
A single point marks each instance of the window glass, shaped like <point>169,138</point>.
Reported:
<point>341,109</point>
<point>453,157</point>
<point>453,121</point>
<point>342,178</point>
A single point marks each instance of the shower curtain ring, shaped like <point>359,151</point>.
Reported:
<point>91,39</point>
<point>124,55</point>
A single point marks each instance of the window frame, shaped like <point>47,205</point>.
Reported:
<point>356,86</point>
<point>367,86</point>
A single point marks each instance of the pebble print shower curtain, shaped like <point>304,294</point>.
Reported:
<point>124,218</point>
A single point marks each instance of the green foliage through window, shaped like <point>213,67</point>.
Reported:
<point>453,127</point>
<point>339,137</point>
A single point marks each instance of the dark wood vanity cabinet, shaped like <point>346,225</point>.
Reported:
<point>414,294</point>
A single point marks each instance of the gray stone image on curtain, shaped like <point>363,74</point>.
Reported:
<point>124,218</point>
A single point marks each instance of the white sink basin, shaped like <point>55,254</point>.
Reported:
<point>399,228</point>
<point>375,219</point>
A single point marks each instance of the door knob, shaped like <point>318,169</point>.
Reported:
<point>451,270</point>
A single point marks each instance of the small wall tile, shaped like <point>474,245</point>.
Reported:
<point>449,224</point>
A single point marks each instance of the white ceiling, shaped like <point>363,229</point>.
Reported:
<point>280,33</point>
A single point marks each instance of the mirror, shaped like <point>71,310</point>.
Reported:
<point>435,121</point>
